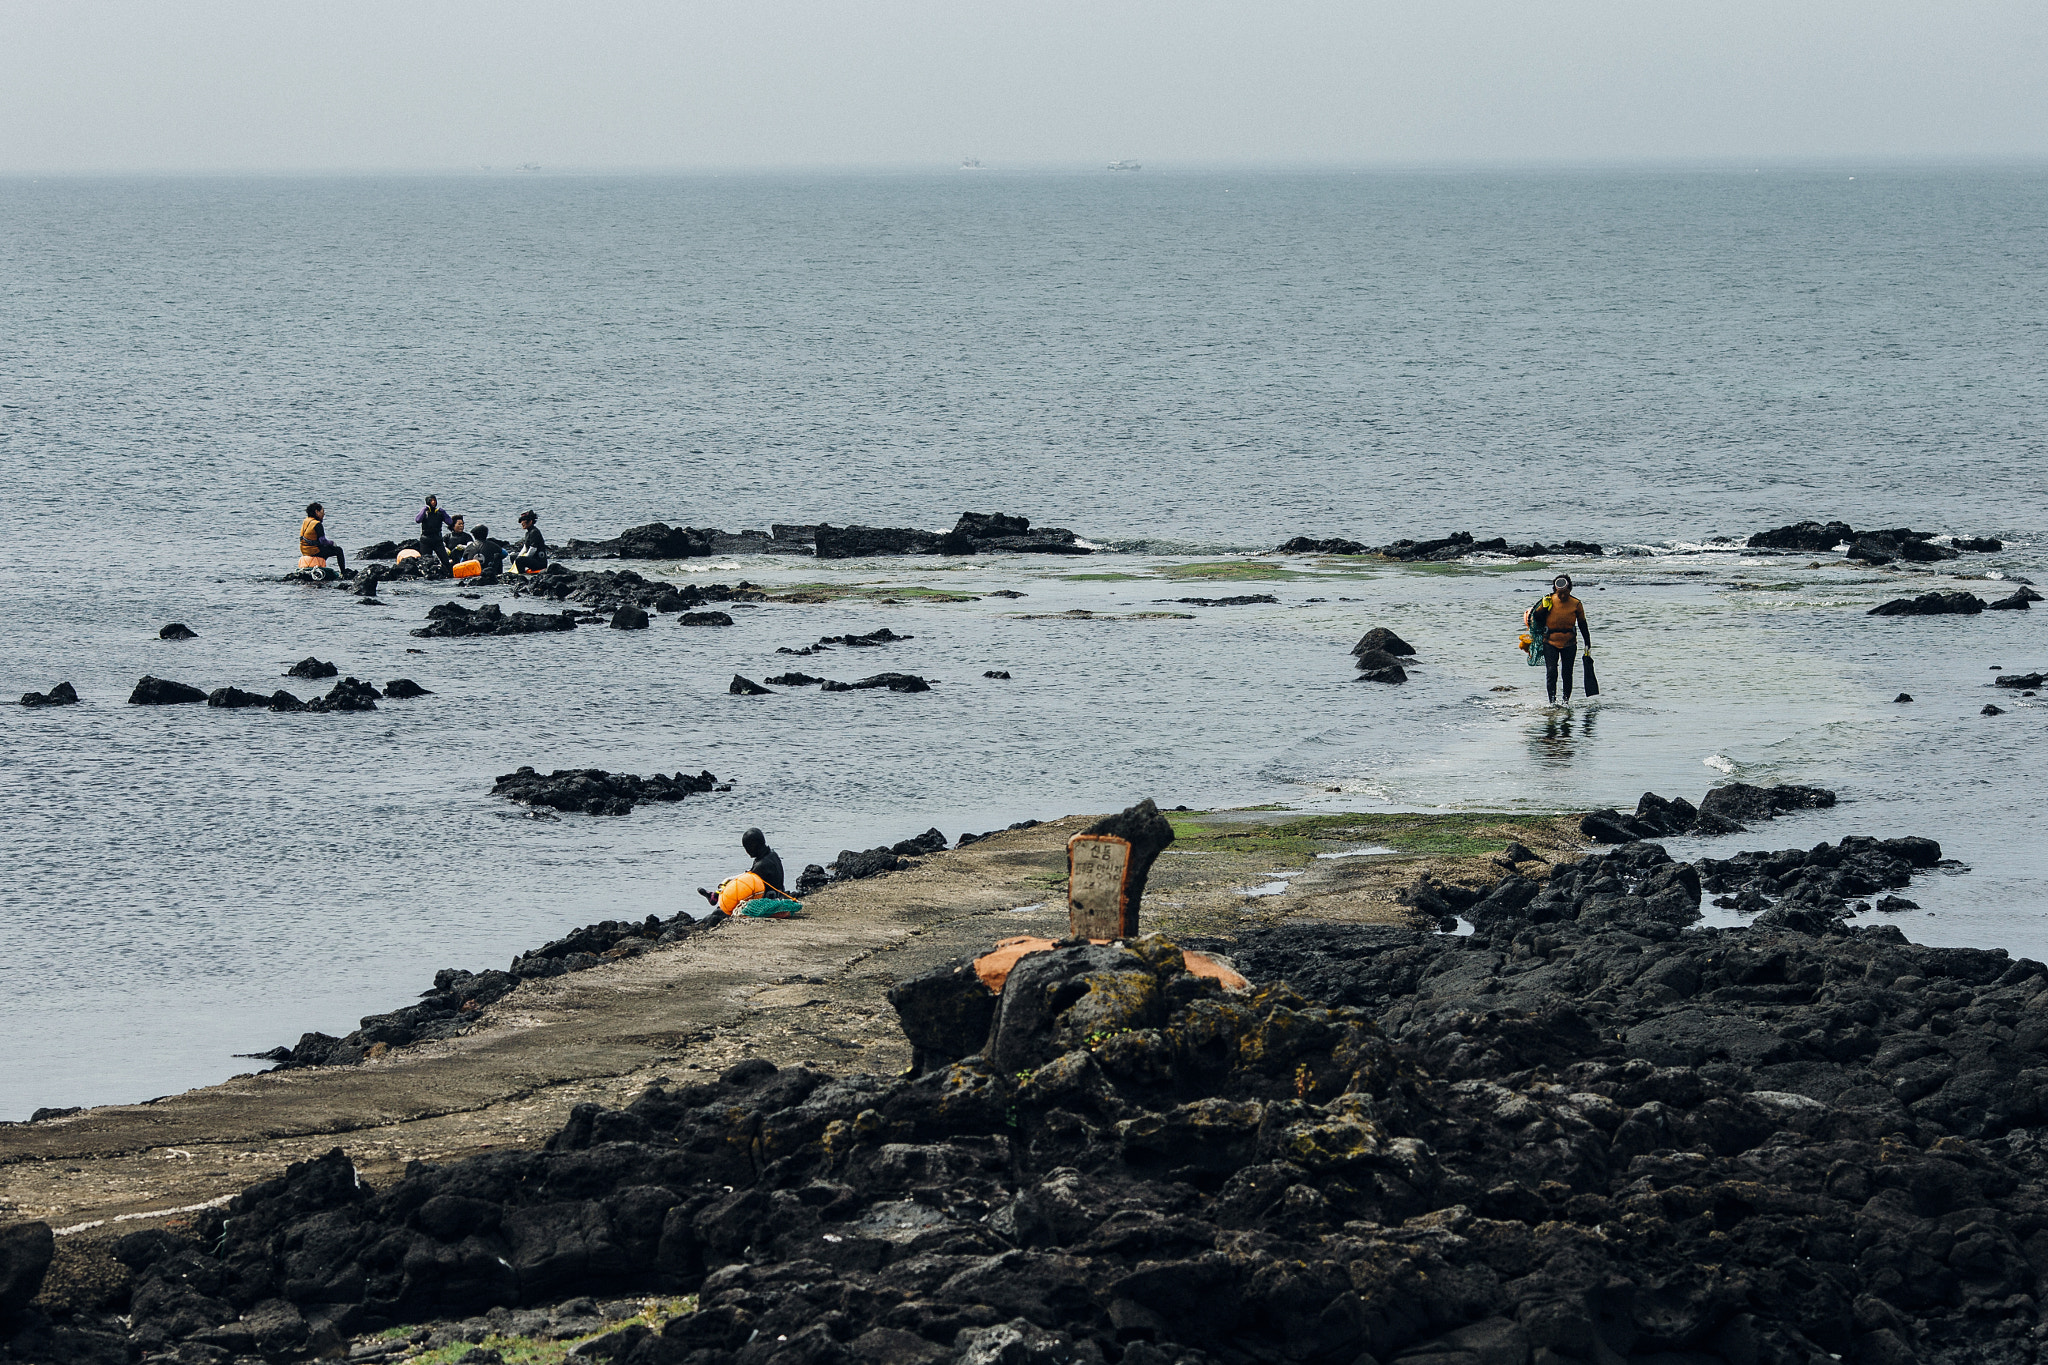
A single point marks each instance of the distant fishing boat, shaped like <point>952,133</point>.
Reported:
<point>971,164</point>
<point>1125,166</point>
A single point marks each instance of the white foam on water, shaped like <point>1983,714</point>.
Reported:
<point>1366,852</point>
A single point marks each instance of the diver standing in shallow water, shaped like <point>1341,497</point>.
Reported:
<point>1563,618</point>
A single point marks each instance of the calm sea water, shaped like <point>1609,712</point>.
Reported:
<point>1187,368</point>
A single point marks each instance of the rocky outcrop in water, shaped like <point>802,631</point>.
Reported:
<point>1583,1133</point>
<point>177,630</point>
<point>973,533</point>
<point>704,618</point>
<point>404,689</point>
<point>1827,878</point>
<point>871,640</point>
<point>1380,638</point>
<point>1727,809</point>
<point>1872,547</point>
<point>892,682</point>
<point>1454,546</point>
<point>629,618</point>
<point>656,540</point>
<point>1247,600</point>
<point>1932,604</point>
<point>153,691</point>
<point>2022,599</point>
<point>1376,665</point>
<point>346,695</point>
<point>595,791</point>
<point>606,590</point>
<point>745,687</point>
<point>310,667</point>
<point>235,698</point>
<point>63,694</point>
<point>452,620</point>
<point>2020,680</point>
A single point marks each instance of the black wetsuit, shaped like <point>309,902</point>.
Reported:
<point>768,867</point>
<point>491,556</point>
<point>532,550</point>
<point>431,520</point>
<point>1559,661</point>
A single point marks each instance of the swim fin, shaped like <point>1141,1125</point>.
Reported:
<point>1592,688</point>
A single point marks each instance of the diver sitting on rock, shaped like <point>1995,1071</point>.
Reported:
<point>530,555</point>
<point>764,878</point>
<point>487,553</point>
<point>314,546</point>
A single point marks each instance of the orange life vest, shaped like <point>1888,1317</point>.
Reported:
<point>1563,622</point>
<point>309,539</point>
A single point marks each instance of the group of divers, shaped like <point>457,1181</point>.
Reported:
<point>1555,626</point>
<point>443,539</point>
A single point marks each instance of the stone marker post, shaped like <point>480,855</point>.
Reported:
<point>1107,864</point>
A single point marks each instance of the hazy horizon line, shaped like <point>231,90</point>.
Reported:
<point>1271,166</point>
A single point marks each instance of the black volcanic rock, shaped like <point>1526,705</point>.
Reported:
<point>894,682</point>
<point>1978,544</point>
<point>1308,545</point>
<point>400,689</point>
<point>63,694</point>
<point>282,700</point>
<point>1932,604</point>
<point>629,618</point>
<point>1248,600</point>
<point>177,630</point>
<point>235,697</point>
<point>704,618</point>
<point>2022,599</point>
<point>793,680</point>
<point>861,542</point>
<point>1810,536</point>
<point>153,691</point>
<point>346,695</point>
<point>452,620</point>
<point>1380,638</point>
<point>310,667</point>
<point>745,687</point>
<point>595,791</point>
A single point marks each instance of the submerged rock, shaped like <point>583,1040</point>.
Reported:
<point>1248,600</point>
<point>1978,544</point>
<point>704,618</point>
<point>793,680</point>
<point>177,630</point>
<point>1002,673</point>
<point>1384,671</point>
<point>1932,604</point>
<point>595,791</point>
<point>63,694</point>
<point>745,687</point>
<point>152,691</point>
<point>404,688</point>
<point>2020,680</point>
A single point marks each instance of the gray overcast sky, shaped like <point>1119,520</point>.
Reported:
<point>379,84</point>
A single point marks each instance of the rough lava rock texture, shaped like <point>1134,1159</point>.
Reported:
<point>1932,604</point>
<point>177,630</point>
<point>1723,810</point>
<point>1872,547</point>
<point>63,694</point>
<point>401,689</point>
<point>153,691</point>
<point>235,697</point>
<point>606,590</point>
<point>1454,546</point>
<point>892,682</point>
<point>595,791</point>
<point>746,687</point>
<point>346,695</point>
<point>1384,640</point>
<point>1587,1132</point>
<point>26,1250</point>
<point>2022,599</point>
<point>704,618</point>
<point>310,667</point>
<point>452,620</point>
